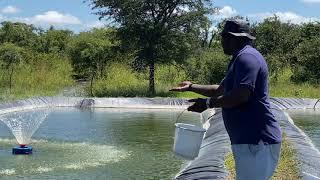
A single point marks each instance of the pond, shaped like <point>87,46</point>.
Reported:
<point>97,144</point>
<point>309,122</point>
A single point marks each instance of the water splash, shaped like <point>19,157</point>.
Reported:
<point>23,124</point>
<point>7,171</point>
<point>57,156</point>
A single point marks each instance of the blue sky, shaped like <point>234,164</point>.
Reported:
<point>77,16</point>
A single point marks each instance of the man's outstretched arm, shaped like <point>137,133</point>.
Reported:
<point>205,90</point>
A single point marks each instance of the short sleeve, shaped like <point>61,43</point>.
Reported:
<point>246,71</point>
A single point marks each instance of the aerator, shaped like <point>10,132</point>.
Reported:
<point>22,149</point>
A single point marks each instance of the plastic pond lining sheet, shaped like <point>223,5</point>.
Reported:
<point>210,162</point>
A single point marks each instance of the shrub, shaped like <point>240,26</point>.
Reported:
<point>209,67</point>
<point>37,75</point>
<point>120,80</point>
<point>307,67</point>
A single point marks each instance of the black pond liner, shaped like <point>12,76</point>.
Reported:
<point>210,162</point>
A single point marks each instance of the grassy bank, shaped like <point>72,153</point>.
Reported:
<point>282,86</point>
<point>43,75</point>
<point>122,81</point>
<point>288,167</point>
<point>289,89</point>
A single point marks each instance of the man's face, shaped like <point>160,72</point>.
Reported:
<point>227,43</point>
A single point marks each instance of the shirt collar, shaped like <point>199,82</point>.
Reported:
<point>239,51</point>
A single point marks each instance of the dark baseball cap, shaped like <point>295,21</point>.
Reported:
<point>238,27</point>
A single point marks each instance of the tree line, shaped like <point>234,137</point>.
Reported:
<point>150,34</point>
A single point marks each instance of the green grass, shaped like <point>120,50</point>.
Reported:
<point>284,87</point>
<point>288,167</point>
<point>46,75</point>
<point>121,81</point>
<point>288,89</point>
<point>187,95</point>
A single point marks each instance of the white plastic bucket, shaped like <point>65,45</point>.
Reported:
<point>187,140</point>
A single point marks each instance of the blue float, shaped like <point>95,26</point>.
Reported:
<point>22,149</point>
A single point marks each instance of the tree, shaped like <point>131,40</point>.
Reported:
<point>310,31</point>
<point>159,31</point>
<point>307,67</point>
<point>208,66</point>
<point>20,34</point>
<point>276,40</point>
<point>55,41</point>
<point>10,55</point>
<point>89,52</point>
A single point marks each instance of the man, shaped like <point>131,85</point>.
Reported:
<point>243,96</point>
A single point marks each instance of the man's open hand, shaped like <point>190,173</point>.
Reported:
<point>183,86</point>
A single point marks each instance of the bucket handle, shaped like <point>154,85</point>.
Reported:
<point>180,115</point>
<point>314,107</point>
<point>183,112</point>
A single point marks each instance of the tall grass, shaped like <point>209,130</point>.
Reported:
<point>282,86</point>
<point>167,77</point>
<point>122,81</point>
<point>43,75</point>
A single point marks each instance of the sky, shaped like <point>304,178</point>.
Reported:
<point>78,16</point>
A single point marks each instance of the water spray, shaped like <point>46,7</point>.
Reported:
<point>22,125</point>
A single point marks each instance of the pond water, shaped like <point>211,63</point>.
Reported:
<point>309,122</point>
<point>97,144</point>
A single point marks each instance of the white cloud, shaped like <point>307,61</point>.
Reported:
<point>58,20</point>
<point>10,10</point>
<point>285,17</point>
<point>311,1</point>
<point>54,18</point>
<point>226,12</point>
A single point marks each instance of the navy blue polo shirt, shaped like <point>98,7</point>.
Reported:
<point>252,121</point>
